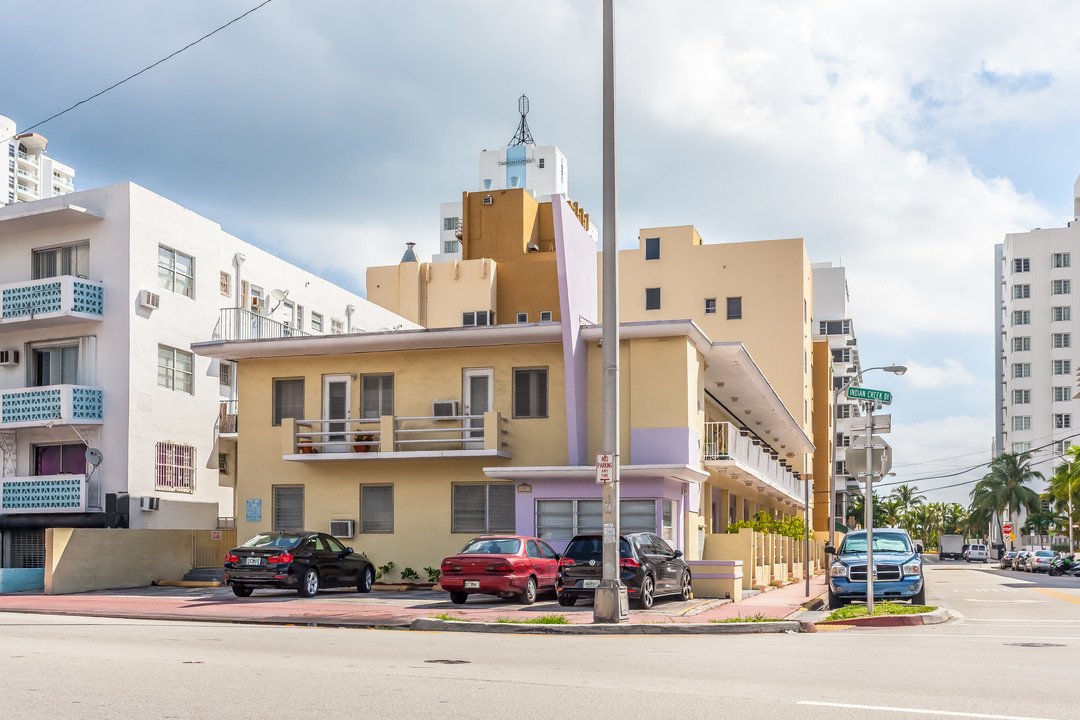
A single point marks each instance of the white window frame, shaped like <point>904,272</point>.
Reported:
<point>1021,265</point>
<point>225,284</point>
<point>171,372</point>
<point>1021,317</point>
<point>1021,291</point>
<point>1062,421</point>
<point>1061,313</point>
<point>174,467</point>
<point>1060,287</point>
<point>1021,343</point>
<point>1021,370</point>
<point>168,273</point>
<point>1021,397</point>
<point>1059,260</point>
<point>1062,367</point>
<point>1061,340</point>
<point>1062,393</point>
<point>316,322</point>
<point>1021,422</point>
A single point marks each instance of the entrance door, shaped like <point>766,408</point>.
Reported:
<point>336,393</point>
<point>477,399</point>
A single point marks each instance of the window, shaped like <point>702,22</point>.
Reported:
<point>1061,340</point>
<point>299,317</point>
<point>545,316</point>
<point>225,373</point>
<point>523,317</point>
<point>843,412</point>
<point>561,520</point>
<point>652,298</point>
<point>377,396</point>
<point>477,318</point>
<point>337,326</point>
<point>1021,370</point>
<point>174,369</point>
<point>710,306</point>
<point>26,549</point>
<point>1022,422</point>
<point>223,463</point>
<point>288,399</point>
<point>734,308</point>
<point>1062,367</point>
<point>1021,264</point>
<point>841,355</point>
<point>482,507</point>
<point>1021,397</point>
<point>288,512</point>
<point>64,260</point>
<point>376,508</point>
<point>1059,447</point>
<point>652,248</point>
<point>530,393</point>
<point>451,223</point>
<point>1060,287</point>
<point>451,246</point>
<point>1062,420</point>
<point>225,283</point>
<point>60,459</point>
<point>843,440</point>
<point>176,271</point>
<point>1021,317</point>
<point>1059,260</point>
<point>1021,447</point>
<point>1060,313</point>
<point>1061,394</point>
<point>1021,292</point>
<point>1021,344</point>
<point>841,467</point>
<point>54,365</point>
<point>174,470</point>
<point>316,322</point>
<point>540,164</point>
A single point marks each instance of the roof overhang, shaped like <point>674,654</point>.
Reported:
<point>41,215</point>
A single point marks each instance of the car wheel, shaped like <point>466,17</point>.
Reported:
<point>458,598</point>
<point>567,600</point>
<point>685,587</point>
<point>529,596</point>
<point>919,598</point>
<point>310,584</point>
<point>645,598</point>
<point>241,590</point>
<point>835,602</point>
<point>365,580</point>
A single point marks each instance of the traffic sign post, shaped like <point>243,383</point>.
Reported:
<point>605,468</point>
<point>1006,528</point>
<point>858,393</point>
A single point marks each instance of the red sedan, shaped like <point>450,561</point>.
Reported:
<point>503,565</point>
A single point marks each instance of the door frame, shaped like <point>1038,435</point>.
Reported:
<point>473,437</point>
<point>327,380</point>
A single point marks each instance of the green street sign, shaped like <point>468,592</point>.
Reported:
<point>858,393</point>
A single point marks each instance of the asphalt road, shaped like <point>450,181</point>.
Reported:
<point>988,663</point>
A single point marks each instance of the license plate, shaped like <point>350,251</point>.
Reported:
<point>472,584</point>
<point>252,561</point>
<point>590,583</point>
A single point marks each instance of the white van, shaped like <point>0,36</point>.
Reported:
<point>975,553</point>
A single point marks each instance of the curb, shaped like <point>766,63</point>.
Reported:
<point>188,583</point>
<point>747,628</point>
<point>934,617</point>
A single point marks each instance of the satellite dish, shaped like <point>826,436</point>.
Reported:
<point>279,295</point>
<point>93,456</point>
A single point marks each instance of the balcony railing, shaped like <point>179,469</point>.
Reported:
<point>726,445</point>
<point>227,418</point>
<point>49,494</point>
<point>57,299</point>
<point>52,404</point>
<point>396,436</point>
<point>241,324</point>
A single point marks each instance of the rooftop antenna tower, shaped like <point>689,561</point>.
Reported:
<point>523,135</point>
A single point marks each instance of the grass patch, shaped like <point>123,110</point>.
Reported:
<point>759,617</point>
<point>552,619</point>
<point>858,611</point>
<point>451,618</point>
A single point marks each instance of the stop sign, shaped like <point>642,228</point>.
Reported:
<point>1006,528</point>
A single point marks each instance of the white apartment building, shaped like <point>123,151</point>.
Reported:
<point>106,417</point>
<point>28,173</point>
<point>832,319</point>
<point>1035,357</point>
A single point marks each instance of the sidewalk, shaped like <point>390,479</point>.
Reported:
<point>393,609</point>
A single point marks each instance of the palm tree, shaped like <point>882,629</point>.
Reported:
<point>1004,489</point>
<point>857,511</point>
<point>892,512</point>
<point>1065,487</point>
<point>1042,522</point>
<point>908,497</point>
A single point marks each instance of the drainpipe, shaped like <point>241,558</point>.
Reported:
<point>238,260</point>
<point>349,310</point>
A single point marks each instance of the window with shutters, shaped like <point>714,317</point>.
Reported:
<point>530,392</point>
<point>288,510</point>
<point>25,549</point>
<point>483,508</point>
<point>376,508</point>
<point>225,283</point>
<point>288,399</point>
<point>174,467</point>
<point>734,308</point>
<point>377,396</point>
<point>561,520</point>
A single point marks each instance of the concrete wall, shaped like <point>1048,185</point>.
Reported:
<point>80,560</point>
<point>20,579</point>
<point>824,436</point>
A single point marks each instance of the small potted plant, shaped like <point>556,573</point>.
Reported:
<point>362,442</point>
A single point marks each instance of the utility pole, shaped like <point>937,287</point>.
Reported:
<point>868,507</point>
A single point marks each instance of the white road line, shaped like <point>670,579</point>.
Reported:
<point>919,711</point>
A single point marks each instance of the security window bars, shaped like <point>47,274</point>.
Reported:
<point>288,399</point>
<point>1021,264</point>
<point>652,298</point>
<point>376,508</point>
<point>482,508</point>
<point>176,271</point>
<point>174,468</point>
<point>1021,292</point>
<point>1062,421</point>
<point>174,369</point>
<point>1061,340</point>
<point>1060,287</point>
<point>1022,422</point>
<point>1062,367</point>
<point>225,373</point>
<point>1021,370</point>
<point>1021,344</point>
<point>1059,260</point>
<point>1061,313</point>
<point>530,392</point>
<point>734,308</point>
<point>1021,317</point>
<point>1021,397</point>
<point>652,248</point>
<point>26,549</point>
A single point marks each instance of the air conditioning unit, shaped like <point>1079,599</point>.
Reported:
<point>9,357</point>
<point>149,503</point>
<point>444,408</point>
<point>488,200</point>
<point>149,300</point>
<point>342,528</point>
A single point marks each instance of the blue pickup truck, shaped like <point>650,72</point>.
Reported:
<point>898,571</point>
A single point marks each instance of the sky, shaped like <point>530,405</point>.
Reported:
<point>900,140</point>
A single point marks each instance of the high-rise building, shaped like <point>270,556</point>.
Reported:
<point>29,174</point>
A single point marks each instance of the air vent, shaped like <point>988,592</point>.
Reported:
<point>342,528</point>
<point>488,200</point>
<point>444,408</point>
<point>149,300</point>
<point>9,357</point>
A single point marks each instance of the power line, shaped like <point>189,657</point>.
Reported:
<point>148,67</point>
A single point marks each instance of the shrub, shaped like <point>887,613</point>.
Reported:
<point>383,570</point>
<point>433,574</point>
<point>408,573</point>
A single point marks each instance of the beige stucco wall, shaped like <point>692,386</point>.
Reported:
<point>84,559</point>
<point>435,294</point>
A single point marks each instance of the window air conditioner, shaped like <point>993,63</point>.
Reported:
<point>9,357</point>
<point>149,300</point>
<point>488,200</point>
<point>342,528</point>
<point>149,503</point>
<point>444,408</point>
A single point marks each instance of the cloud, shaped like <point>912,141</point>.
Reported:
<point>950,373</point>
<point>944,457</point>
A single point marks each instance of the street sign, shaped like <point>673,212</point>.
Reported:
<point>882,424</point>
<point>605,468</point>
<point>858,393</point>
<point>1011,537</point>
<point>1006,528</point>
<point>855,459</point>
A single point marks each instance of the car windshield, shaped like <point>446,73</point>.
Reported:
<point>883,542</point>
<point>492,546</point>
<point>592,548</point>
<point>267,540</point>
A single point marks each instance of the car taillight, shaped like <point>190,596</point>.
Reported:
<point>629,562</point>
<point>500,567</point>
<point>450,568</point>
<point>566,561</point>
<point>232,558</point>
<point>282,558</point>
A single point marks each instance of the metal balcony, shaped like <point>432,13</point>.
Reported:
<point>51,301</point>
<point>395,437</point>
<point>732,453</point>
<point>241,324</point>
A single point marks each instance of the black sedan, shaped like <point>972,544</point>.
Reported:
<point>647,566</point>
<point>299,560</point>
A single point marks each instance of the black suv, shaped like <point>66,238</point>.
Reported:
<point>647,566</point>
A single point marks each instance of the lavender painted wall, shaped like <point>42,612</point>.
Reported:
<point>665,446</point>
<point>575,255</point>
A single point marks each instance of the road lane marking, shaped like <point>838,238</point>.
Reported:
<point>1059,595</point>
<point>920,711</point>
<point>1009,602</point>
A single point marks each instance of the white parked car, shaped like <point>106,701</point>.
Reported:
<point>976,553</point>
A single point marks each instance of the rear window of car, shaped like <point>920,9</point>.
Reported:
<point>492,546</point>
<point>267,540</point>
<point>979,547</point>
<point>1045,553</point>
<point>592,548</point>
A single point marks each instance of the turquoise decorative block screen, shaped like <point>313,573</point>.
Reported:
<point>61,492</point>
<point>32,300</point>
<point>31,405</point>
<point>88,298</point>
<point>86,404</point>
